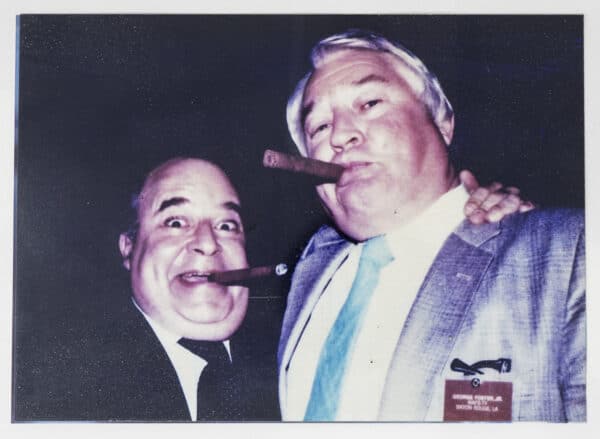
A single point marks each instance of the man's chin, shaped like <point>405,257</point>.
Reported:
<point>357,231</point>
<point>206,312</point>
<point>213,319</point>
<point>356,218</point>
<point>359,199</point>
<point>206,327</point>
<point>222,330</point>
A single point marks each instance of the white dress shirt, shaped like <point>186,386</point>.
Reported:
<point>414,247</point>
<point>188,366</point>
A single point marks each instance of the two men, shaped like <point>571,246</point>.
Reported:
<point>176,347</point>
<point>404,311</point>
<point>360,111</point>
<point>189,226</point>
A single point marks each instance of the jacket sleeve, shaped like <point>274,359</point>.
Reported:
<point>573,365</point>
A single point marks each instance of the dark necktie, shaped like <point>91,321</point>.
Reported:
<point>217,396</point>
<point>338,347</point>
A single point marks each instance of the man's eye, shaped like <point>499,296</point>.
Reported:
<point>322,127</point>
<point>228,226</point>
<point>370,104</point>
<point>175,222</point>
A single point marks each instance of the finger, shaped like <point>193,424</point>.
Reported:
<point>495,214</point>
<point>470,208</point>
<point>468,180</point>
<point>479,195</point>
<point>512,190</point>
<point>526,206</point>
<point>492,199</point>
<point>495,186</point>
<point>510,204</point>
<point>475,200</point>
<point>477,216</point>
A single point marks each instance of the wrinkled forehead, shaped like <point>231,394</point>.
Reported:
<point>345,65</point>
<point>198,181</point>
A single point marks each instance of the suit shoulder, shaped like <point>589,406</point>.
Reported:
<point>323,236</point>
<point>548,220</point>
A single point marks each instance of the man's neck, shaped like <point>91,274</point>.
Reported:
<point>402,215</point>
<point>164,335</point>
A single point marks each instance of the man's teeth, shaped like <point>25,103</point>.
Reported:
<point>194,276</point>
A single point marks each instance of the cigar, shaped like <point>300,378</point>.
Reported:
<point>329,172</point>
<point>237,277</point>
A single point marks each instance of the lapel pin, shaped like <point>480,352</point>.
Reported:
<point>502,365</point>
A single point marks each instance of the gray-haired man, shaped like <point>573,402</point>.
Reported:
<point>405,311</point>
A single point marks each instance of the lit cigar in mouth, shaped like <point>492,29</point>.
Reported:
<point>239,277</point>
<point>329,172</point>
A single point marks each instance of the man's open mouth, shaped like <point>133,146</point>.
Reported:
<point>194,276</point>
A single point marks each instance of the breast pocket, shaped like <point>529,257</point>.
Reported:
<point>463,394</point>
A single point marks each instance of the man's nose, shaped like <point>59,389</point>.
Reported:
<point>203,240</point>
<point>345,133</point>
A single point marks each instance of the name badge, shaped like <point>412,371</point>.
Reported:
<point>475,400</point>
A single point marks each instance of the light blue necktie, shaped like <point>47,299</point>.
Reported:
<point>325,394</point>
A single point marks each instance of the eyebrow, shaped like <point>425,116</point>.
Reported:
<point>232,205</point>
<point>306,110</point>
<point>175,201</point>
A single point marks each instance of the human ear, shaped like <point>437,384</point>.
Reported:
<point>125,246</point>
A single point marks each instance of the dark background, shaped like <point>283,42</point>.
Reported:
<point>103,99</point>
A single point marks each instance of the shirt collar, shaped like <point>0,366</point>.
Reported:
<point>166,337</point>
<point>435,223</point>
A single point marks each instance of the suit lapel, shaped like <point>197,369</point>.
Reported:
<point>153,389</point>
<point>321,259</point>
<point>434,321</point>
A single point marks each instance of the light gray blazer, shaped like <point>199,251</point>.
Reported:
<point>514,289</point>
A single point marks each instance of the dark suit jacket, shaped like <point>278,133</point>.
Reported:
<point>117,370</point>
<point>515,289</point>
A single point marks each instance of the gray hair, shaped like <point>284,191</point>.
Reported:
<point>424,83</point>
